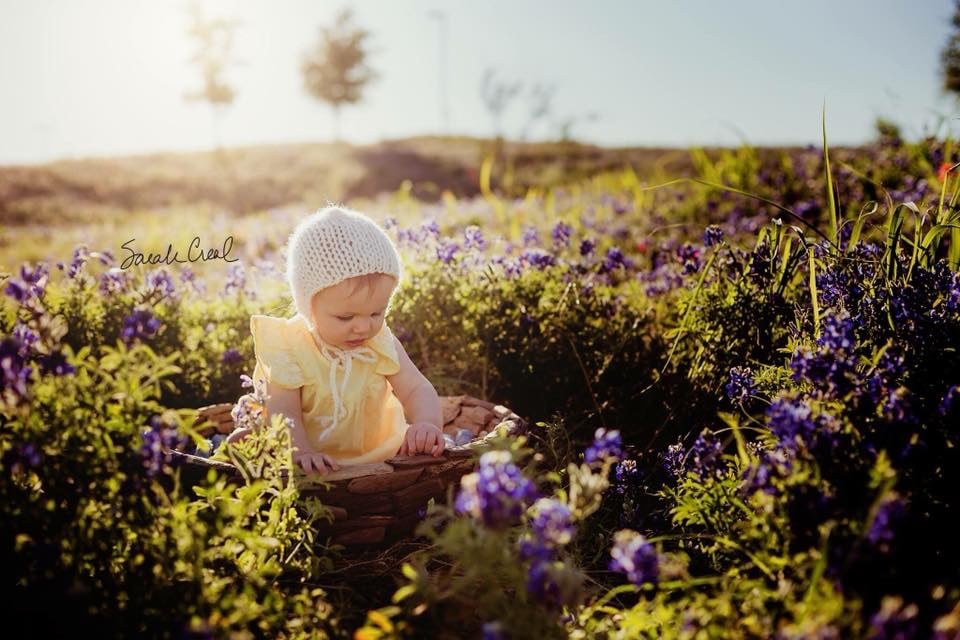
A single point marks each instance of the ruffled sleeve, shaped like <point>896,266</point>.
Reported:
<point>388,361</point>
<point>278,344</point>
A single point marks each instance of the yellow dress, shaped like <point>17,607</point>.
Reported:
<point>349,409</point>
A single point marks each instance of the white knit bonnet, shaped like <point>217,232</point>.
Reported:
<point>334,244</point>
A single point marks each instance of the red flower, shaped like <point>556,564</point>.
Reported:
<point>942,171</point>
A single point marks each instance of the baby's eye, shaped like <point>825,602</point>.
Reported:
<point>344,318</point>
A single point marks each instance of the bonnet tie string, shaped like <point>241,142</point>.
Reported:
<point>342,358</point>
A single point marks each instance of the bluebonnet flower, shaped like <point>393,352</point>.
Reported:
<point>55,363</point>
<point>14,372</point>
<point>248,411</point>
<point>114,281</point>
<point>35,278</point>
<point>389,222</point>
<point>16,290</point>
<point>543,582</point>
<point>531,236</point>
<point>158,440</point>
<point>741,385</point>
<point>159,281</point>
<point>625,476</point>
<point>32,283</point>
<point>30,455</point>
<point>613,259</point>
<point>634,556</point>
<point>674,460</point>
<point>620,208</point>
<point>689,256</point>
<point>493,631</point>
<point>26,336</point>
<point>770,464</point>
<point>80,257</point>
<point>105,257</point>
<point>890,511</point>
<point>561,234</point>
<point>704,457</point>
<point>497,493</point>
<point>188,277</point>
<point>587,246</point>
<point>231,357</point>
<point>894,620</point>
<point>832,369</point>
<point>236,278</point>
<point>431,228</point>
<point>512,267</point>
<point>950,402</point>
<point>791,421</point>
<point>552,522</point>
<point>538,258</point>
<point>712,235</point>
<point>474,238</point>
<point>606,444</point>
<point>446,251</point>
<point>139,325</point>
<point>246,382</point>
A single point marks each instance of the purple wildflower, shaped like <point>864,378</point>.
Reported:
<point>548,583</point>
<point>625,475</point>
<point>712,235</point>
<point>791,421</point>
<point>80,257</point>
<point>497,493</point>
<point>55,363</point>
<point>159,281</point>
<point>673,460</point>
<point>633,555</point>
<point>158,440</point>
<point>606,444</point>
<point>114,281</point>
<point>431,228</point>
<point>741,385</point>
<point>14,372</point>
<point>26,336</point>
<point>891,510</point>
<point>493,631</point>
<point>552,523</point>
<point>531,237</point>
<point>473,238</point>
<point>587,246</point>
<point>236,278</point>
<point>231,357</point>
<point>140,324</point>
<point>538,258</point>
<point>704,457</point>
<point>894,620</point>
<point>561,234</point>
<point>446,251</point>
<point>614,259</point>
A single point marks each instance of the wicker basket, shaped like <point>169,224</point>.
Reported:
<point>376,504</point>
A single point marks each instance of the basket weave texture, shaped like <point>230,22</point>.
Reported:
<point>375,504</point>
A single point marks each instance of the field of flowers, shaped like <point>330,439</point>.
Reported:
<point>742,386</point>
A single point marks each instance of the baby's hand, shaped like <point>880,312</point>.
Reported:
<point>422,437</point>
<point>314,462</point>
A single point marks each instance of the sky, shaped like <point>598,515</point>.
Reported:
<point>81,78</point>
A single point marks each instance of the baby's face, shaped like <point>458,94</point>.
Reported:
<point>347,318</point>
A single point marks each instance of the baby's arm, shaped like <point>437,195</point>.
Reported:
<point>421,405</point>
<point>287,402</point>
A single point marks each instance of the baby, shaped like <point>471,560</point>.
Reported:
<point>335,369</point>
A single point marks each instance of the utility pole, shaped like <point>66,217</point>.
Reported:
<point>441,18</point>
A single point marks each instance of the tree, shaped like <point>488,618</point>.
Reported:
<point>214,41</point>
<point>540,101</point>
<point>950,56</point>
<point>496,96</point>
<point>335,71</point>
